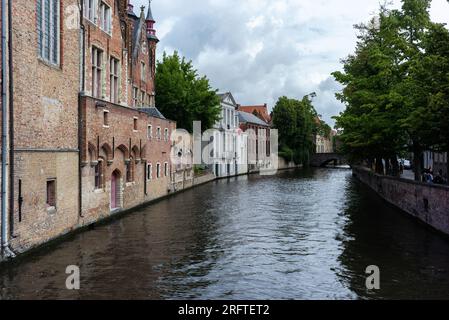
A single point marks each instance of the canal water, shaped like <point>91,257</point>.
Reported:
<point>297,235</point>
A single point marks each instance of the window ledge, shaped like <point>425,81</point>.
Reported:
<point>99,191</point>
<point>51,210</point>
<point>56,67</point>
<point>109,33</point>
<point>91,21</point>
<point>130,184</point>
<point>106,127</point>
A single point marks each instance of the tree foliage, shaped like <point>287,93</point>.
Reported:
<point>396,87</point>
<point>296,121</point>
<point>184,96</point>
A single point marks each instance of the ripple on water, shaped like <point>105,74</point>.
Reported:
<point>297,235</point>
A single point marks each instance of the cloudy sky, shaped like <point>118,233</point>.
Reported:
<point>263,49</point>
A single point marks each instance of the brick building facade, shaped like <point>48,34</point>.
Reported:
<point>87,138</point>
<point>45,63</point>
<point>259,141</point>
<point>125,141</point>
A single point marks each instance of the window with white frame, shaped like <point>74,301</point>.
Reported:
<point>166,134</point>
<point>97,72</point>
<point>90,10</point>
<point>151,100</point>
<point>158,171</point>
<point>149,171</point>
<point>48,27</point>
<point>114,83</point>
<point>135,97</point>
<point>142,98</point>
<point>150,132</point>
<point>51,193</point>
<point>105,17</point>
<point>142,71</point>
<point>166,169</point>
<point>158,133</point>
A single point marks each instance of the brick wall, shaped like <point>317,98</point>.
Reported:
<point>45,129</point>
<point>428,203</point>
<point>115,144</point>
<point>112,46</point>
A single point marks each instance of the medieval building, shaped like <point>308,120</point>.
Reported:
<point>83,137</point>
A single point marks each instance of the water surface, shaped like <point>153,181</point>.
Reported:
<point>298,235</point>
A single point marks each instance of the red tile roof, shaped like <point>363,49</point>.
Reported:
<point>262,110</point>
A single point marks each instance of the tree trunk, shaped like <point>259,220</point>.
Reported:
<point>370,163</point>
<point>387,167</point>
<point>394,161</point>
<point>447,168</point>
<point>417,161</point>
<point>379,166</point>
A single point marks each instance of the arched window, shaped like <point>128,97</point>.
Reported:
<point>149,172</point>
<point>130,170</point>
<point>166,169</point>
<point>99,174</point>
<point>158,171</point>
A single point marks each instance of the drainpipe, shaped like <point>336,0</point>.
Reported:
<point>82,89</point>
<point>11,124</point>
<point>5,251</point>
<point>4,220</point>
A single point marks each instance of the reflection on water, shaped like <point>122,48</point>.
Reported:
<point>298,235</point>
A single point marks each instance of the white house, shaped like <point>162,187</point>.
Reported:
<point>228,144</point>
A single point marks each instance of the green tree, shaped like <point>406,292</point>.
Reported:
<point>184,96</point>
<point>370,121</point>
<point>297,127</point>
<point>385,103</point>
<point>414,21</point>
<point>429,84</point>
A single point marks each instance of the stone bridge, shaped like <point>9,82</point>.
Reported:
<point>323,159</point>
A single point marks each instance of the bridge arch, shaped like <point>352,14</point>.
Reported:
<point>323,159</point>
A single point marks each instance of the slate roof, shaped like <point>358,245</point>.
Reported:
<point>223,97</point>
<point>245,117</point>
<point>261,109</point>
<point>131,12</point>
<point>149,14</point>
<point>153,112</point>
